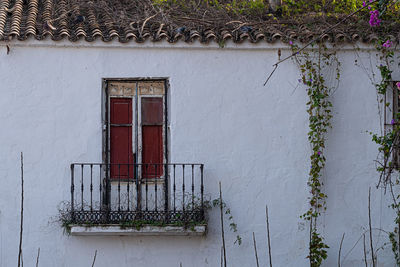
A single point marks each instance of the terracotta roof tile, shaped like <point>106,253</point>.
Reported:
<point>77,19</point>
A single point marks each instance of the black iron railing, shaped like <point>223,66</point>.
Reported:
<point>123,193</point>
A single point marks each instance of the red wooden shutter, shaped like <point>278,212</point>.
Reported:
<point>152,139</point>
<point>121,138</point>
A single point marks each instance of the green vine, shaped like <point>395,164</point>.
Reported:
<point>388,142</point>
<point>319,108</point>
<point>232,225</point>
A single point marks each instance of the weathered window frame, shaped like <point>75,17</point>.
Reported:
<point>395,111</point>
<point>136,110</point>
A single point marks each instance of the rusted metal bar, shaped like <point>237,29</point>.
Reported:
<point>72,189</point>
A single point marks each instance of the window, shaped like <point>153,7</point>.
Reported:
<point>135,131</point>
<point>395,119</point>
<point>135,181</point>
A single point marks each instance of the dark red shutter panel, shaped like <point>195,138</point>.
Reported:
<point>121,111</point>
<point>152,151</point>
<point>152,111</point>
<point>152,139</point>
<point>121,138</point>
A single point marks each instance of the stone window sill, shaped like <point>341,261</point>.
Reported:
<point>145,230</point>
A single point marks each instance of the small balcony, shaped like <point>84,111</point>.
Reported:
<point>132,197</point>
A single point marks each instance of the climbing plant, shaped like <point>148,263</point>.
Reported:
<point>315,67</point>
<point>389,140</point>
<point>319,106</point>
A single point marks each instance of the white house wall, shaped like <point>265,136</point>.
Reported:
<point>251,138</point>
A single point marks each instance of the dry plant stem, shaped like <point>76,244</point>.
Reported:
<point>360,238</point>
<point>385,176</point>
<point>370,227</point>
<point>365,251</point>
<point>222,257</point>
<point>94,258</point>
<point>255,249</point>
<point>222,223</point>
<point>340,249</point>
<point>270,75</point>
<point>316,39</point>
<point>268,236</point>
<point>22,212</point>
<point>37,257</point>
<point>146,20</point>
<point>398,212</point>
<point>309,244</point>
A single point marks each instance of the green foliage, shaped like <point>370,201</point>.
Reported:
<point>395,245</point>
<point>389,140</point>
<point>232,225</point>
<point>314,66</point>
<point>320,114</point>
<point>339,7</point>
<point>387,55</point>
<point>66,225</point>
<point>385,145</point>
<point>318,251</point>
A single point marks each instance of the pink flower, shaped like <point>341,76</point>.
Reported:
<point>374,18</point>
<point>393,122</point>
<point>398,85</point>
<point>290,42</point>
<point>387,44</point>
<point>364,4</point>
<point>319,153</point>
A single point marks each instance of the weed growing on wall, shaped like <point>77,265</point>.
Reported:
<point>232,225</point>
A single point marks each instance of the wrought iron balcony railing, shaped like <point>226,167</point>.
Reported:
<point>122,193</point>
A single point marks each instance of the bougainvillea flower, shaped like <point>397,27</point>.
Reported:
<point>387,44</point>
<point>319,153</point>
<point>392,122</point>
<point>398,85</point>
<point>374,18</point>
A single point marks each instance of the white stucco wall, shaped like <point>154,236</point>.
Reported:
<point>250,137</point>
